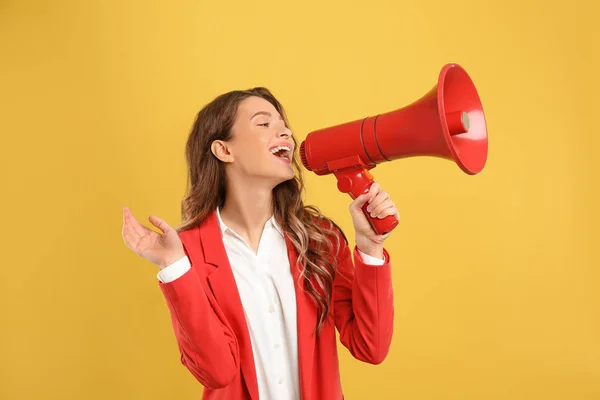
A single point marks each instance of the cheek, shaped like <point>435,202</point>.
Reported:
<point>255,139</point>
<point>252,150</point>
<point>253,155</point>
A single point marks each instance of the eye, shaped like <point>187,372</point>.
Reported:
<point>265,124</point>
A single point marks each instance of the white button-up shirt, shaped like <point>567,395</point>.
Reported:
<point>266,287</point>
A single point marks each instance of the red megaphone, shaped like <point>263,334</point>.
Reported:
<point>447,122</point>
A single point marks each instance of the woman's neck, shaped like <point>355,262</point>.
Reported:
<point>246,210</point>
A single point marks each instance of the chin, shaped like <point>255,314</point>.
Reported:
<point>284,178</point>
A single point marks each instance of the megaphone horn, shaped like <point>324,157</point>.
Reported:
<point>447,122</point>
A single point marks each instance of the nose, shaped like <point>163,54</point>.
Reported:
<point>285,132</point>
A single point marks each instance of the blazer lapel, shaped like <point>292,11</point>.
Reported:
<point>222,283</point>
<point>306,312</point>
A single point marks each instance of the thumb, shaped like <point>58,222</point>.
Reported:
<point>159,223</point>
<point>367,196</point>
<point>361,200</point>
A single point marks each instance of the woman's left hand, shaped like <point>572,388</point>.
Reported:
<point>380,206</point>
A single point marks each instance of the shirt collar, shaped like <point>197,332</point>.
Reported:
<point>271,222</point>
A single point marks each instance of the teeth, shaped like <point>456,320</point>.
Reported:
<point>279,148</point>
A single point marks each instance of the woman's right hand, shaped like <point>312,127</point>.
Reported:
<point>161,249</point>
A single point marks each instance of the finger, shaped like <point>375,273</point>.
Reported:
<point>387,203</point>
<point>373,191</point>
<point>378,200</point>
<point>133,225</point>
<point>367,196</point>
<point>128,231</point>
<point>361,200</point>
<point>159,223</point>
<point>133,231</point>
<point>128,237</point>
<point>393,211</point>
<point>126,215</point>
<point>132,236</point>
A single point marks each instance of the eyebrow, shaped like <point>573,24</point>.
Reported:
<point>268,114</point>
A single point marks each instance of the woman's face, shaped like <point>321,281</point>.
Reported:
<point>261,145</point>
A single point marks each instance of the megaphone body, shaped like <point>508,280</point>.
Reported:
<point>448,122</point>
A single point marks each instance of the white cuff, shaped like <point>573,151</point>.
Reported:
<point>174,271</point>
<point>369,260</point>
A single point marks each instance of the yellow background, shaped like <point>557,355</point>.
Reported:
<point>496,275</point>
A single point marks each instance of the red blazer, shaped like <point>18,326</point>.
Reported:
<point>212,335</point>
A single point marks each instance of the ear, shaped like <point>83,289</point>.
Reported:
<point>222,151</point>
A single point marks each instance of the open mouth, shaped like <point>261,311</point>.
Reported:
<point>282,152</point>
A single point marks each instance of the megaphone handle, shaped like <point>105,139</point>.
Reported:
<point>355,181</point>
<point>383,225</point>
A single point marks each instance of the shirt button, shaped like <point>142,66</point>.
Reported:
<point>280,381</point>
<point>276,345</point>
<point>271,309</point>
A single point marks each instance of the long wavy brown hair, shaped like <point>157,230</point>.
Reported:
<point>313,236</point>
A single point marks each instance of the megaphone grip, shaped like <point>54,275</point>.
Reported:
<point>383,225</point>
<point>356,180</point>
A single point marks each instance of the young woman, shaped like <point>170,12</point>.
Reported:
<point>256,282</point>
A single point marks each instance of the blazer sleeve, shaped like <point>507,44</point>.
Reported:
<point>363,306</point>
<point>206,342</point>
